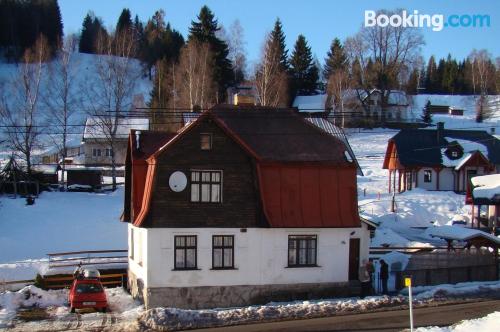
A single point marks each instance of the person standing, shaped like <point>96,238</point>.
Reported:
<point>384,275</point>
<point>364,278</point>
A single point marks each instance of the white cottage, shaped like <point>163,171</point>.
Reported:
<point>245,205</point>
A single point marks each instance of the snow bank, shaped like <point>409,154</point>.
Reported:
<point>120,303</point>
<point>454,290</point>
<point>168,319</point>
<point>29,296</point>
<point>488,323</point>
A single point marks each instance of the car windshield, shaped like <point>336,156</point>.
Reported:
<point>88,288</point>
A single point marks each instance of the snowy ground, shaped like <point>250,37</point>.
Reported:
<point>124,309</point>
<point>414,209</point>
<point>58,222</point>
<point>489,323</point>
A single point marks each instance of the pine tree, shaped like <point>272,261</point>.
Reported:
<point>204,31</point>
<point>335,59</point>
<point>278,38</point>
<point>86,37</point>
<point>430,76</point>
<point>304,73</point>
<point>413,81</point>
<point>426,113</point>
<point>92,29</point>
<point>124,21</point>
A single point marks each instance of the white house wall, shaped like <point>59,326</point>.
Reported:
<point>260,257</point>
<point>446,179</point>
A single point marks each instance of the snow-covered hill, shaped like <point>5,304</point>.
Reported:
<point>464,102</point>
<point>85,79</point>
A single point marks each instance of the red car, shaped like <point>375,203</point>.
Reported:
<point>87,293</point>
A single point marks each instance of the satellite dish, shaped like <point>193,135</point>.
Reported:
<point>177,181</point>
<point>348,156</point>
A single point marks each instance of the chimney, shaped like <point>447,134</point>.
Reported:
<point>439,131</point>
<point>138,140</point>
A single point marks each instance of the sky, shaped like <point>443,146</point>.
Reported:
<point>320,21</point>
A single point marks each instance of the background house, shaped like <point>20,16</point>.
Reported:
<point>440,159</point>
<point>97,137</point>
<point>242,206</point>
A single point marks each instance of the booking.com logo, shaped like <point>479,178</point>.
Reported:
<point>416,20</point>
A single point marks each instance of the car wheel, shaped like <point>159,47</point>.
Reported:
<point>72,310</point>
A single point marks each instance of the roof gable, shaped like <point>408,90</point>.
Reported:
<point>425,147</point>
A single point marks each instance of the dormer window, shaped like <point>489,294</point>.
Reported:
<point>206,141</point>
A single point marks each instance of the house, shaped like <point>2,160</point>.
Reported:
<point>244,205</point>
<point>243,94</point>
<point>52,156</point>
<point>97,139</point>
<point>312,104</point>
<point>484,197</point>
<point>440,159</point>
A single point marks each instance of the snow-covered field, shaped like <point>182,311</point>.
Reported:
<point>58,222</point>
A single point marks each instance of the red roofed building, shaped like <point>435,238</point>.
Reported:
<point>244,205</point>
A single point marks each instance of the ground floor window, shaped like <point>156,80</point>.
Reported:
<point>223,252</point>
<point>427,175</point>
<point>185,252</point>
<point>302,250</point>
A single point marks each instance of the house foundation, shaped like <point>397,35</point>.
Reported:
<point>206,297</point>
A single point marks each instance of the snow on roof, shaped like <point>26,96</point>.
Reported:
<point>459,233</point>
<point>468,146</point>
<point>311,104</point>
<point>100,127</point>
<point>486,186</point>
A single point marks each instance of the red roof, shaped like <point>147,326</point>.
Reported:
<point>305,179</point>
<point>309,195</point>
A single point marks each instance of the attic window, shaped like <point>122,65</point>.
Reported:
<point>454,154</point>
<point>206,141</point>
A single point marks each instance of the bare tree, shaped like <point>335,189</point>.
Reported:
<point>338,82</point>
<point>195,85</point>
<point>61,99</point>
<point>270,77</point>
<point>110,94</point>
<point>481,70</point>
<point>20,112</point>
<point>385,54</point>
<point>237,54</point>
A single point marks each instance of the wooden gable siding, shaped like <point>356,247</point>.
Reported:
<point>240,205</point>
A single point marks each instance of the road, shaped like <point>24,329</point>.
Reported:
<point>386,321</point>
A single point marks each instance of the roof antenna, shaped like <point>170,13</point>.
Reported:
<point>137,139</point>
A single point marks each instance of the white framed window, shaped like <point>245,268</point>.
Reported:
<point>206,186</point>
<point>427,175</point>
<point>302,250</point>
<point>222,252</point>
<point>96,152</point>
<point>185,252</point>
<point>108,152</point>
